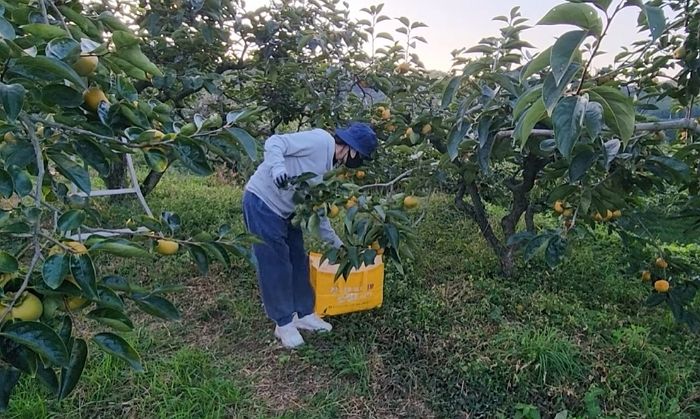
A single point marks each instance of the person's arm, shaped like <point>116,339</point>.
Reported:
<point>328,234</point>
<point>278,147</point>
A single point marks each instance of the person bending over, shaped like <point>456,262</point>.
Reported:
<point>281,261</point>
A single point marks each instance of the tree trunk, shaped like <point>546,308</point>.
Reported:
<point>117,178</point>
<point>530,218</point>
<point>477,211</point>
<point>507,261</point>
<point>532,165</point>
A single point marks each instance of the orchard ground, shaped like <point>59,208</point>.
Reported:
<point>453,338</point>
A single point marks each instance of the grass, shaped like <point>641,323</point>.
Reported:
<point>452,339</point>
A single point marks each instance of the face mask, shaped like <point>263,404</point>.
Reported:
<point>353,162</point>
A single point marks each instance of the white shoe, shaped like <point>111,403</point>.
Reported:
<point>289,336</point>
<point>312,322</point>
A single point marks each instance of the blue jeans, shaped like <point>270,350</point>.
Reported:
<point>281,262</point>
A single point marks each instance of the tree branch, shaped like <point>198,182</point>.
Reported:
<point>60,17</point>
<point>44,14</point>
<point>532,165</point>
<point>30,128</point>
<point>388,184</point>
<point>685,123</point>
<point>459,201</point>
<point>477,211</point>
<point>598,43</point>
<point>73,129</point>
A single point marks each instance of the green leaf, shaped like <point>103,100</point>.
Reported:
<point>12,99</point>
<point>656,20</point>
<point>7,31</point>
<point>556,249</point>
<point>539,63</point>
<point>112,318</point>
<point>564,51</point>
<point>71,220</point>
<point>109,299</point>
<point>47,377</point>
<point>21,180</point>
<point>112,22</point>
<point>200,258</point>
<point>581,15</point>
<point>520,237</point>
<point>535,245</point>
<point>486,141</point>
<point>600,4</point>
<point>64,49</point>
<point>94,155</point>
<point>19,356</point>
<point>392,234</point>
<point>192,156</point>
<point>585,202</point>
<point>456,137</point>
<point>156,160</point>
<point>61,95</point>
<point>671,169</point>
<point>450,91</point>
<point>567,120</point>
<point>120,247</point>
<point>6,186</point>
<point>528,120</point>
<point>9,377</point>
<point>218,251</point>
<point>581,163</point>
<point>244,115</point>
<point>116,283</point>
<point>138,59</point>
<point>655,299</point>
<point>8,263</point>
<point>124,39</point>
<point>55,270</point>
<point>84,23</point>
<point>70,375</point>
<point>314,224</point>
<point>127,68</point>
<point>72,171</point>
<point>44,31</point>
<point>116,346</point>
<point>618,110</point>
<point>611,149</point>
<point>526,100</point>
<point>41,339</point>
<point>246,141</point>
<point>19,154</point>
<point>83,271</point>
<point>45,68</point>
<point>593,119</point>
<point>548,145</point>
<point>552,92</point>
<point>156,305</point>
<point>562,192</point>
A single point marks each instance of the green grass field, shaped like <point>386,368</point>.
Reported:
<point>453,339</point>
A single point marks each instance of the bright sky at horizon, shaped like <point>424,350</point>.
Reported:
<point>453,24</point>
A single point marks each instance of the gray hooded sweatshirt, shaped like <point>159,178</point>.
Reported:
<point>294,154</point>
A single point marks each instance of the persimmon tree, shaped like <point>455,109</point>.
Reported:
<point>69,110</point>
<point>550,134</point>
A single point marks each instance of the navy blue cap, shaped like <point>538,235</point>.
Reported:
<point>360,137</point>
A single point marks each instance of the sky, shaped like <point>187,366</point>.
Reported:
<point>453,24</point>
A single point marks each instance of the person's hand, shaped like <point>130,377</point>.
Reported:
<point>281,180</point>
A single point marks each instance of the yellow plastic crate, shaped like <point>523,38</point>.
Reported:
<point>363,289</point>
